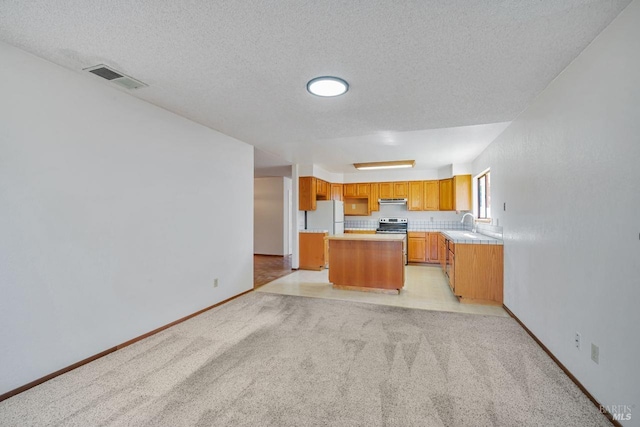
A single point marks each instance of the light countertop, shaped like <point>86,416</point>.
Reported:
<point>467,237</point>
<point>313,231</point>
<point>369,237</point>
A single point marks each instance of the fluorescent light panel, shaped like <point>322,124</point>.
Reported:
<point>397,164</point>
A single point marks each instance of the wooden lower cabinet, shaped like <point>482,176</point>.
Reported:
<point>423,246</point>
<point>477,273</point>
<point>434,248</point>
<point>313,251</point>
<point>443,255</point>
<point>417,247</point>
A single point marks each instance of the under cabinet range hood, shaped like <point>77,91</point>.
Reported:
<point>392,201</point>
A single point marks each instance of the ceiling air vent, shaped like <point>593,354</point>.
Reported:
<point>115,77</point>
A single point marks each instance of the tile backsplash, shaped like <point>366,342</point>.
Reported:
<point>494,231</point>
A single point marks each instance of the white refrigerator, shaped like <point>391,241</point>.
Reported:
<point>329,215</point>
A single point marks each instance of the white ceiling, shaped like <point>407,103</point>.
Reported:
<point>429,80</point>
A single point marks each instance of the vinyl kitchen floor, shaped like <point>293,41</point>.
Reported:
<point>425,288</point>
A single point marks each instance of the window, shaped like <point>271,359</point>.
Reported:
<point>484,195</point>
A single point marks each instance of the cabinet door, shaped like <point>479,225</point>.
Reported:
<point>416,249</point>
<point>322,190</point>
<point>307,187</point>
<point>414,203</point>
<point>386,190</point>
<point>349,190</point>
<point>336,191</point>
<point>462,192</point>
<point>400,190</point>
<point>363,190</point>
<point>374,195</point>
<point>452,272</point>
<point>431,197</point>
<point>312,251</point>
<point>434,247</point>
<point>446,194</point>
<point>443,255</point>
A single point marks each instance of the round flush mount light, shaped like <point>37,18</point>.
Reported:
<point>327,86</point>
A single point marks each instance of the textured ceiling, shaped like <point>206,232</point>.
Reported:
<point>423,74</point>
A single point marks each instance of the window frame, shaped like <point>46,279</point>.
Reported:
<point>486,176</point>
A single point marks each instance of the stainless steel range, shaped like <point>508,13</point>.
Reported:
<point>395,226</point>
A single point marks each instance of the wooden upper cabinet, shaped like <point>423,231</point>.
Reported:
<point>401,190</point>
<point>462,192</point>
<point>336,191</point>
<point>446,194</point>
<point>374,190</point>
<point>415,198</point>
<point>431,196</point>
<point>394,190</point>
<point>363,190</point>
<point>386,190</point>
<point>322,189</point>
<point>307,187</point>
<point>349,190</point>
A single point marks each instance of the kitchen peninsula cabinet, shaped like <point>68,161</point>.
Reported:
<point>313,250</point>
<point>475,271</point>
<point>478,271</point>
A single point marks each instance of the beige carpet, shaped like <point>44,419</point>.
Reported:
<point>275,360</point>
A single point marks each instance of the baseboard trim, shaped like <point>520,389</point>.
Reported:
<point>46,378</point>
<point>564,369</point>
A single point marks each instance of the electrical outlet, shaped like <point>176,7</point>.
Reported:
<point>577,340</point>
<point>595,353</point>
<point>215,282</point>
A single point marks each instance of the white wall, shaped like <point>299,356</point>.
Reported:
<point>271,216</point>
<point>115,217</point>
<point>568,169</point>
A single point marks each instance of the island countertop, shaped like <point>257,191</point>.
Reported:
<point>368,237</point>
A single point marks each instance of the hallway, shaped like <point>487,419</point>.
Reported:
<point>267,268</point>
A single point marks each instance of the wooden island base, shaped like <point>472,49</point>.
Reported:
<point>373,263</point>
<point>365,289</point>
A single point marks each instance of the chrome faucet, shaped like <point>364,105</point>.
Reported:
<point>473,228</point>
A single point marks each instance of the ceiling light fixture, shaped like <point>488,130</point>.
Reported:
<point>385,165</point>
<point>327,86</point>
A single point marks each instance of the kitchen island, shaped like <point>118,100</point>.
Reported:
<point>367,262</point>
